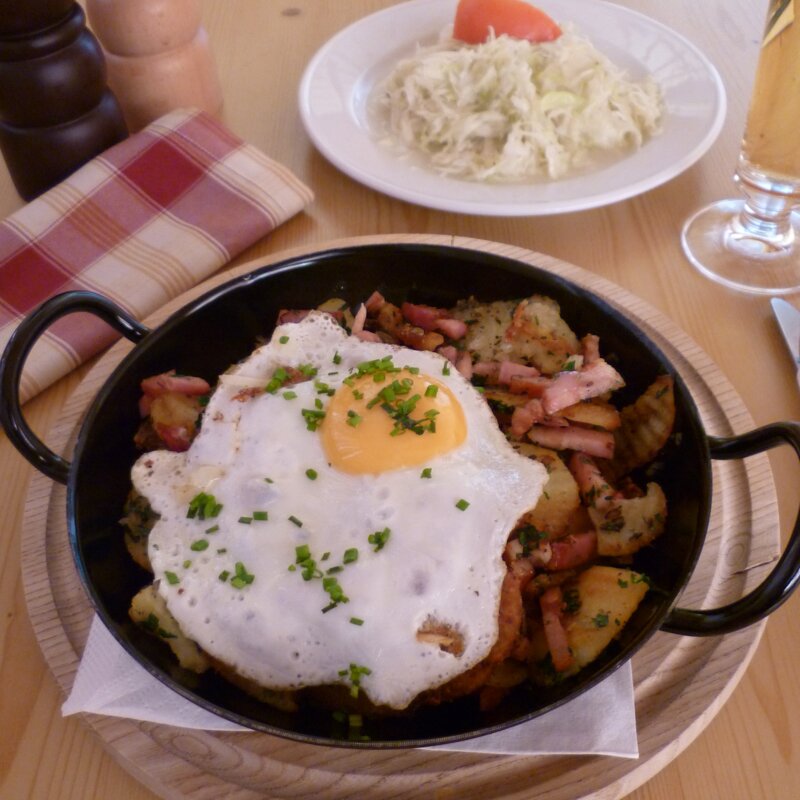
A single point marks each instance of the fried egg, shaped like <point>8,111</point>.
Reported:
<point>342,498</point>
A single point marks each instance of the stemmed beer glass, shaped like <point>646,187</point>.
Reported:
<point>753,243</point>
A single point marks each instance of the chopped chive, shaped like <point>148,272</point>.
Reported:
<point>308,370</point>
<point>446,369</point>
<point>358,395</point>
<point>187,564</point>
<point>426,473</point>
<point>283,339</point>
<point>296,521</point>
<point>171,577</point>
<point>379,539</point>
<point>224,575</point>
<point>337,359</point>
<point>431,391</point>
<point>289,395</point>
<point>260,516</point>
<point>242,577</point>
<point>356,621</point>
<point>245,520</point>
<point>353,419</point>
<point>199,545</point>
<point>311,474</point>
<point>269,480</point>
<point>350,555</point>
<point>462,504</point>
<point>326,555</point>
<point>203,506</point>
<point>334,570</point>
<point>222,550</point>
<point>212,529</point>
<point>302,553</point>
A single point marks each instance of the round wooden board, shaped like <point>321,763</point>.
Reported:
<point>680,682</point>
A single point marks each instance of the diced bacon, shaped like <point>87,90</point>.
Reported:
<point>145,403</point>
<point>509,370</point>
<point>452,328</point>
<point>176,437</point>
<point>299,314</point>
<point>486,369</point>
<point>525,417</point>
<point>568,388</point>
<point>430,318</point>
<point>464,364</point>
<point>375,302</point>
<point>586,440</point>
<point>572,551</point>
<point>171,382</point>
<point>359,320</point>
<point>534,385</point>
<point>553,420</point>
<point>595,489</point>
<point>551,603</point>
<point>292,315</point>
<point>449,352</point>
<point>590,345</point>
<point>425,317</point>
<point>391,320</point>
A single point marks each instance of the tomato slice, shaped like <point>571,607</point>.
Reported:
<point>514,18</point>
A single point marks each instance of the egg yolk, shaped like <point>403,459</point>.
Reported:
<point>400,420</point>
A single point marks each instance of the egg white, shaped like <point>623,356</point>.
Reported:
<point>252,454</point>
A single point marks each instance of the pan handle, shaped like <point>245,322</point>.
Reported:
<point>16,352</point>
<point>785,575</point>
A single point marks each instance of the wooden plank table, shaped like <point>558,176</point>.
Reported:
<point>749,750</point>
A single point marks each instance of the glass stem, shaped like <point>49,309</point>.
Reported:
<point>768,204</point>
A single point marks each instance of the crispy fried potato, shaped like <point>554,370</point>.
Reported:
<point>560,496</point>
<point>608,596</point>
<point>149,610</point>
<point>629,524</point>
<point>596,413</point>
<point>138,522</point>
<point>646,427</point>
<point>528,332</point>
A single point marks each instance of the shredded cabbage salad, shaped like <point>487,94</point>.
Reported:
<point>510,110</point>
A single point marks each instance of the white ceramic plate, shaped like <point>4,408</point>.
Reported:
<point>338,81</point>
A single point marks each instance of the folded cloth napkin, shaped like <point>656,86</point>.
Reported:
<point>141,223</point>
<point>601,721</point>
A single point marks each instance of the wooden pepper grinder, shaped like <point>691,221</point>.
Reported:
<point>158,56</point>
<point>56,111</point>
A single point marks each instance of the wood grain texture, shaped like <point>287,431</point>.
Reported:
<point>750,750</point>
<point>680,682</point>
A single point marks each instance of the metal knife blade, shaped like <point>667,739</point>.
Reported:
<point>789,322</point>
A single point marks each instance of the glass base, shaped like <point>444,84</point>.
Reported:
<point>718,246</point>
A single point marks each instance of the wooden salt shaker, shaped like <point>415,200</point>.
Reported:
<point>158,57</point>
<point>56,111</point>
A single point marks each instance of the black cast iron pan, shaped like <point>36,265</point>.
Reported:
<point>221,327</point>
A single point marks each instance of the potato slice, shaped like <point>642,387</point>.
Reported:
<point>560,496</point>
<point>646,426</point>
<point>630,524</point>
<point>596,413</point>
<point>149,610</point>
<point>608,597</point>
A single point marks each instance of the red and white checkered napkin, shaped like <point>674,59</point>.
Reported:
<point>141,223</point>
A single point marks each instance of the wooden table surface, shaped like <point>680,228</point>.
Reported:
<point>751,749</point>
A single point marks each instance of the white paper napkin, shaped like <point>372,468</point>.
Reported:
<point>602,721</point>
